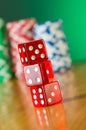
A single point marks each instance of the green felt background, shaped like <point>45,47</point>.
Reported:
<point>73,13</point>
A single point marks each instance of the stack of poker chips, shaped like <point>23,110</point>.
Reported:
<point>19,32</point>
<point>6,72</point>
<point>57,47</point>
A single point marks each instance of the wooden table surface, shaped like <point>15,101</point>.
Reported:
<point>18,113</point>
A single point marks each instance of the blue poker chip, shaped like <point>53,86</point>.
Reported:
<point>50,28</point>
<point>55,39</point>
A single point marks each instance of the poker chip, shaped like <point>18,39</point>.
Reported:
<point>20,31</point>
<point>6,72</point>
<point>57,47</point>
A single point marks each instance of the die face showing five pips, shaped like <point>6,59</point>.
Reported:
<point>39,74</point>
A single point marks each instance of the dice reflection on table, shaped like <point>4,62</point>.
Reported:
<point>51,116</point>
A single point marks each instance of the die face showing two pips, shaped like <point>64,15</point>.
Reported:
<point>39,74</point>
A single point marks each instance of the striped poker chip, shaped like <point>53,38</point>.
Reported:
<point>5,57</point>
<point>56,44</point>
<point>20,31</point>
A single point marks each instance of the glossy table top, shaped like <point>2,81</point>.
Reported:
<point>18,113</point>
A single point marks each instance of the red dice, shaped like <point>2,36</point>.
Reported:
<point>33,75</point>
<point>39,74</point>
<point>53,94</point>
<point>38,96</point>
<point>35,51</point>
<point>46,95</point>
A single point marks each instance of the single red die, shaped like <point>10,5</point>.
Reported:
<point>38,74</point>
<point>47,72</point>
<point>23,54</point>
<point>36,51</point>
<point>33,75</point>
<point>53,94</point>
<point>38,96</point>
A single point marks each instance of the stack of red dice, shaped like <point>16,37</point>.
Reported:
<point>39,74</point>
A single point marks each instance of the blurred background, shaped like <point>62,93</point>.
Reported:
<point>73,14</point>
<point>17,111</point>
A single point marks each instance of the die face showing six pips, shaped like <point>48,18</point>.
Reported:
<point>38,96</point>
<point>39,75</point>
